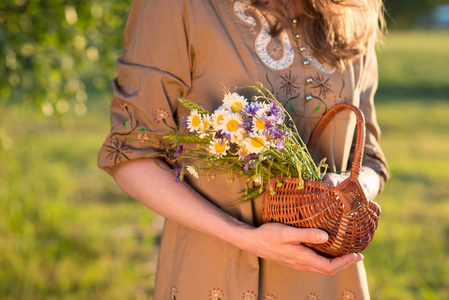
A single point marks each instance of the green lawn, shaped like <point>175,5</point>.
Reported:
<point>67,232</point>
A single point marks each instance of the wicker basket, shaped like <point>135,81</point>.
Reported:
<point>342,211</point>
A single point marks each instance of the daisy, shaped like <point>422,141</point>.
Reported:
<point>243,152</point>
<point>218,147</point>
<point>218,116</point>
<point>206,126</point>
<point>235,102</point>
<point>194,121</point>
<point>259,123</point>
<point>256,143</point>
<point>232,125</point>
<point>193,171</point>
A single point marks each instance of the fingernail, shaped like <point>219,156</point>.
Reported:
<point>322,237</point>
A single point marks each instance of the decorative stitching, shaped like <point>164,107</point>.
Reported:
<point>267,48</point>
<point>249,295</point>
<point>216,294</point>
<point>160,114</point>
<point>312,296</point>
<point>173,292</point>
<point>348,295</point>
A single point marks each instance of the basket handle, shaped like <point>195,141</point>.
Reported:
<point>360,138</point>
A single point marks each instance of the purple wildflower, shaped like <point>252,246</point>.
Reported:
<point>247,124</point>
<point>222,136</point>
<point>178,172</point>
<point>280,145</point>
<point>232,147</point>
<point>183,121</point>
<point>178,151</point>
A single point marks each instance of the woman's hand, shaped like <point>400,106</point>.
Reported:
<point>368,178</point>
<point>282,244</point>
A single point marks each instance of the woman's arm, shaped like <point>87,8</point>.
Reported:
<point>143,180</point>
<point>368,178</point>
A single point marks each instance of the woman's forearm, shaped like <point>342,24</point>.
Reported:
<point>157,189</point>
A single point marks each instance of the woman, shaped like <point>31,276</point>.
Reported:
<point>312,55</point>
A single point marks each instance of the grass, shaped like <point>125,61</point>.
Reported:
<point>67,232</point>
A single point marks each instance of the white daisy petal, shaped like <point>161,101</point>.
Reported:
<point>218,147</point>
<point>194,121</point>
<point>234,102</point>
<point>256,143</point>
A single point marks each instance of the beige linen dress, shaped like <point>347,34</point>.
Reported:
<point>194,48</point>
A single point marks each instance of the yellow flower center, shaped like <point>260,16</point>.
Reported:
<point>196,121</point>
<point>206,125</point>
<point>232,125</point>
<point>236,107</point>
<point>220,147</point>
<point>260,124</point>
<point>219,119</point>
<point>244,150</point>
<point>257,142</point>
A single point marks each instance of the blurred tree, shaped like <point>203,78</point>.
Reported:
<point>46,44</point>
<point>404,14</point>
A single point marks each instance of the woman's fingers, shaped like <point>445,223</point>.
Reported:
<point>302,235</point>
<point>334,179</point>
<point>332,266</point>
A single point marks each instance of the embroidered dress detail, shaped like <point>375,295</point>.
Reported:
<point>269,297</point>
<point>312,296</point>
<point>348,295</point>
<point>173,293</point>
<point>277,54</point>
<point>160,114</point>
<point>249,295</point>
<point>216,294</point>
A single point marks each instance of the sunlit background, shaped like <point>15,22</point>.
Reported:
<point>67,232</point>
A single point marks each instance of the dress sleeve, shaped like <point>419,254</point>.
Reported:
<point>152,72</point>
<point>373,154</point>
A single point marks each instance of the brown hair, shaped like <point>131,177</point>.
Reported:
<point>338,31</point>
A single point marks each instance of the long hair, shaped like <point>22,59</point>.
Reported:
<point>337,31</point>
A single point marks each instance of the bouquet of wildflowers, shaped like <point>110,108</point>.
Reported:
<point>254,138</point>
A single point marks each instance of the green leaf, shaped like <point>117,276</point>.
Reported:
<point>124,124</point>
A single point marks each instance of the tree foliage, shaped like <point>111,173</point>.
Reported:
<point>405,14</point>
<point>47,44</point>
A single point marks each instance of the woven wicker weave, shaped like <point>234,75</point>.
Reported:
<point>342,211</point>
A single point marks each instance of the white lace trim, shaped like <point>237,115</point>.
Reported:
<point>263,39</point>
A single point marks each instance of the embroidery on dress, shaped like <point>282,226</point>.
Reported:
<point>289,86</point>
<point>348,295</point>
<point>118,147</point>
<point>339,99</point>
<point>312,296</point>
<point>277,53</point>
<point>173,293</point>
<point>321,85</point>
<point>160,114</point>
<point>249,295</point>
<point>216,294</point>
<point>269,297</point>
